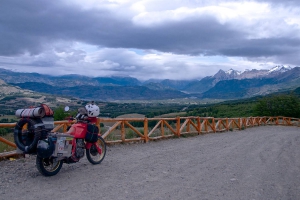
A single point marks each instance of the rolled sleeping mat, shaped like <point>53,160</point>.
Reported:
<point>31,112</point>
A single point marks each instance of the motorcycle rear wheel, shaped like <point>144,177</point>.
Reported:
<point>92,154</point>
<point>47,166</point>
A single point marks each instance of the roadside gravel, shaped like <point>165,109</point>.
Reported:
<point>256,163</point>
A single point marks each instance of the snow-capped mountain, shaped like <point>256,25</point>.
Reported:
<point>222,75</point>
<point>209,82</point>
<point>263,73</point>
<point>254,73</point>
<point>233,72</point>
<point>277,79</point>
<point>279,69</point>
<point>248,74</point>
<point>229,84</point>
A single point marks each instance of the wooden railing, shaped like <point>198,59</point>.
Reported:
<point>122,130</point>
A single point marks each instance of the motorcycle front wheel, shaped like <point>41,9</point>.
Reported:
<point>93,155</point>
<point>47,166</point>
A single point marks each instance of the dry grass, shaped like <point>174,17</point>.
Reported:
<point>4,147</point>
<point>132,115</point>
<point>9,117</point>
<point>171,115</point>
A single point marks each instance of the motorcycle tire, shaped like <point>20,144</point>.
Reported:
<point>47,167</point>
<point>25,134</point>
<point>92,154</point>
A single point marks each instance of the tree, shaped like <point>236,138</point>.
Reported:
<point>280,105</point>
<point>61,114</point>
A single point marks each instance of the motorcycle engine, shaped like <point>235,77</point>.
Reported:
<point>80,148</point>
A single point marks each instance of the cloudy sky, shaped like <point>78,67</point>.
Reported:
<point>165,39</point>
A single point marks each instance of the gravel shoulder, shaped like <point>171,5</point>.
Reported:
<point>256,163</point>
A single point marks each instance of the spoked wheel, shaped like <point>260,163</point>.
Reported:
<point>47,166</point>
<point>93,154</point>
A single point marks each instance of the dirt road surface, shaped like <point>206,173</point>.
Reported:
<point>256,163</point>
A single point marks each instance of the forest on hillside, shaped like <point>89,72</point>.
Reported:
<point>287,105</point>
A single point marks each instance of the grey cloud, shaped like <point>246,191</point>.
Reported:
<point>285,2</point>
<point>263,47</point>
<point>32,26</point>
<point>193,37</point>
<point>28,26</point>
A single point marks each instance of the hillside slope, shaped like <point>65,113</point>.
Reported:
<point>13,98</point>
<point>105,93</point>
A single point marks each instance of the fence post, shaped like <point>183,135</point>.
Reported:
<point>123,131</point>
<point>199,125</point>
<point>146,130</point>
<point>178,126</point>
<point>162,130</point>
<point>227,125</point>
<point>214,125</point>
<point>65,127</point>
<point>98,124</point>
<point>188,125</point>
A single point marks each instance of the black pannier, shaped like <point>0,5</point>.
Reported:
<point>92,133</point>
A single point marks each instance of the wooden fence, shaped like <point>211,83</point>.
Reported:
<point>122,130</point>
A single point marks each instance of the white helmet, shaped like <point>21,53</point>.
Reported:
<point>92,110</point>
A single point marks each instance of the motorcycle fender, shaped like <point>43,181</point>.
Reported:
<point>88,146</point>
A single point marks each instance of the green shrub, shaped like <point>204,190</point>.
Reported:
<point>4,131</point>
<point>131,134</point>
<point>61,114</point>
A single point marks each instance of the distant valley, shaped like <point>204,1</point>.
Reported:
<point>231,84</point>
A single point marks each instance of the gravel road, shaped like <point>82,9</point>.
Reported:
<point>256,163</point>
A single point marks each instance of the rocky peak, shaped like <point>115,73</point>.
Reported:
<point>279,69</point>
<point>254,73</point>
<point>222,75</point>
<point>233,73</point>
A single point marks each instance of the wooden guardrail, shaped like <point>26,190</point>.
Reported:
<point>122,130</point>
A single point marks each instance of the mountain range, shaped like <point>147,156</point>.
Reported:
<point>231,84</point>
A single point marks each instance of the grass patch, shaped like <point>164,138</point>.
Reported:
<point>131,134</point>
<point>4,147</point>
<point>171,115</point>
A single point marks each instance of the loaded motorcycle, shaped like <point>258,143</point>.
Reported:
<point>33,135</point>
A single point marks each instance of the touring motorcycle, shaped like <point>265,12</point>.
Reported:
<point>33,135</point>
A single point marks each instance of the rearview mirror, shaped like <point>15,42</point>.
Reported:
<point>67,108</point>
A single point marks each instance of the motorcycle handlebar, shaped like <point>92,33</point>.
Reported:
<point>79,118</point>
<point>70,118</point>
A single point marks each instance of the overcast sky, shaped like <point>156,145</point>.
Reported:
<point>165,39</point>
